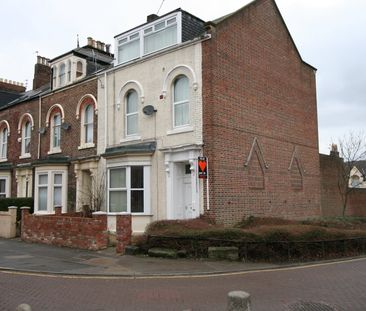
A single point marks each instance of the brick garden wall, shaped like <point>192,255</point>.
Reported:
<point>255,85</point>
<point>73,231</point>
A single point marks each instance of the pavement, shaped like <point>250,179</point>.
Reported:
<point>16,255</point>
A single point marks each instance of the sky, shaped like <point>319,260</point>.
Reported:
<point>329,34</point>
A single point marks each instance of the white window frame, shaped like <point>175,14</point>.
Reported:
<point>55,149</point>
<point>83,128</point>
<point>126,37</point>
<point>26,138</point>
<point>127,115</point>
<point>62,74</point>
<point>4,133</point>
<point>50,190</point>
<point>181,126</point>
<point>128,189</point>
<point>7,186</point>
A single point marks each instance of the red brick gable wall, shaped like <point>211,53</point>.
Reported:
<point>256,85</point>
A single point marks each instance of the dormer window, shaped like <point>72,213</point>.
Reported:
<point>150,38</point>
<point>54,76</point>
<point>69,71</point>
<point>79,69</point>
<point>62,77</point>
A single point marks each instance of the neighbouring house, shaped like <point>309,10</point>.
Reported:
<point>10,90</point>
<point>358,175</point>
<point>234,90</point>
<point>48,135</point>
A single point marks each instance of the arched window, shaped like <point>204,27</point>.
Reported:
<point>54,77</point>
<point>181,101</point>
<point>3,143</point>
<point>56,132</point>
<point>88,124</point>
<point>79,69</point>
<point>69,71</point>
<point>62,77</point>
<point>26,138</point>
<point>131,113</point>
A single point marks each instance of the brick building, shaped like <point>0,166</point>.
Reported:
<point>48,134</point>
<point>234,90</point>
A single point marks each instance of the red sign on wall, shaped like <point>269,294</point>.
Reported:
<point>202,167</point>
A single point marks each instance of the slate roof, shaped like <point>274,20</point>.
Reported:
<point>7,96</point>
<point>28,96</point>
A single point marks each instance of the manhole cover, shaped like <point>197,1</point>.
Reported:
<point>310,306</point>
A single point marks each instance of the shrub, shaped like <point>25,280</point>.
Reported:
<point>18,202</point>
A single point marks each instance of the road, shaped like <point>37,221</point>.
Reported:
<point>341,285</point>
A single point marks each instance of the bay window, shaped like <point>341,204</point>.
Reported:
<point>128,189</point>
<point>50,190</point>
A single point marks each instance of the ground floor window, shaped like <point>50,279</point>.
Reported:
<point>4,186</point>
<point>128,189</point>
<point>50,190</point>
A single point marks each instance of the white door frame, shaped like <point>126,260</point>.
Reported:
<point>189,156</point>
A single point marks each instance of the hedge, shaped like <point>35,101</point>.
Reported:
<point>18,202</point>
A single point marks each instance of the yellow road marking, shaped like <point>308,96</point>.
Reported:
<point>131,277</point>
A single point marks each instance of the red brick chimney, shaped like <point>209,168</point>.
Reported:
<point>42,72</point>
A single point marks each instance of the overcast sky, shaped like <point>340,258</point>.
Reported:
<point>330,35</point>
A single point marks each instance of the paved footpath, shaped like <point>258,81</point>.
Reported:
<point>329,286</point>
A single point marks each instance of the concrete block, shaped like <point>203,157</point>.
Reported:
<point>162,252</point>
<point>223,252</point>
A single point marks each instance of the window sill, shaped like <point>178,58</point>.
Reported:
<point>86,146</point>
<point>25,156</point>
<point>54,151</point>
<point>126,213</point>
<point>130,138</point>
<point>4,160</point>
<point>179,130</point>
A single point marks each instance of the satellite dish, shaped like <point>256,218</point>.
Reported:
<point>149,110</point>
<point>42,130</point>
<point>65,126</point>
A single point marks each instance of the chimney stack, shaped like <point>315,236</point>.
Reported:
<point>42,72</point>
<point>12,86</point>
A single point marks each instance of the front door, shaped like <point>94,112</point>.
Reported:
<point>183,192</point>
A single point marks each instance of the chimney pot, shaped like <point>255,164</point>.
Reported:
<point>99,45</point>
<point>102,46</point>
<point>150,18</point>
<point>107,48</point>
<point>90,41</point>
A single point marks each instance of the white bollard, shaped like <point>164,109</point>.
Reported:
<point>23,307</point>
<point>238,301</point>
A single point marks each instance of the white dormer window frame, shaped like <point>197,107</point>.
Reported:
<point>70,74</point>
<point>141,35</point>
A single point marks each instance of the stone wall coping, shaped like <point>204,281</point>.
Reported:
<point>14,207</point>
<point>99,213</point>
<point>25,207</point>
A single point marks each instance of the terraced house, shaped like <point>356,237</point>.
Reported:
<point>124,133</point>
<point>48,134</point>
<point>234,90</point>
